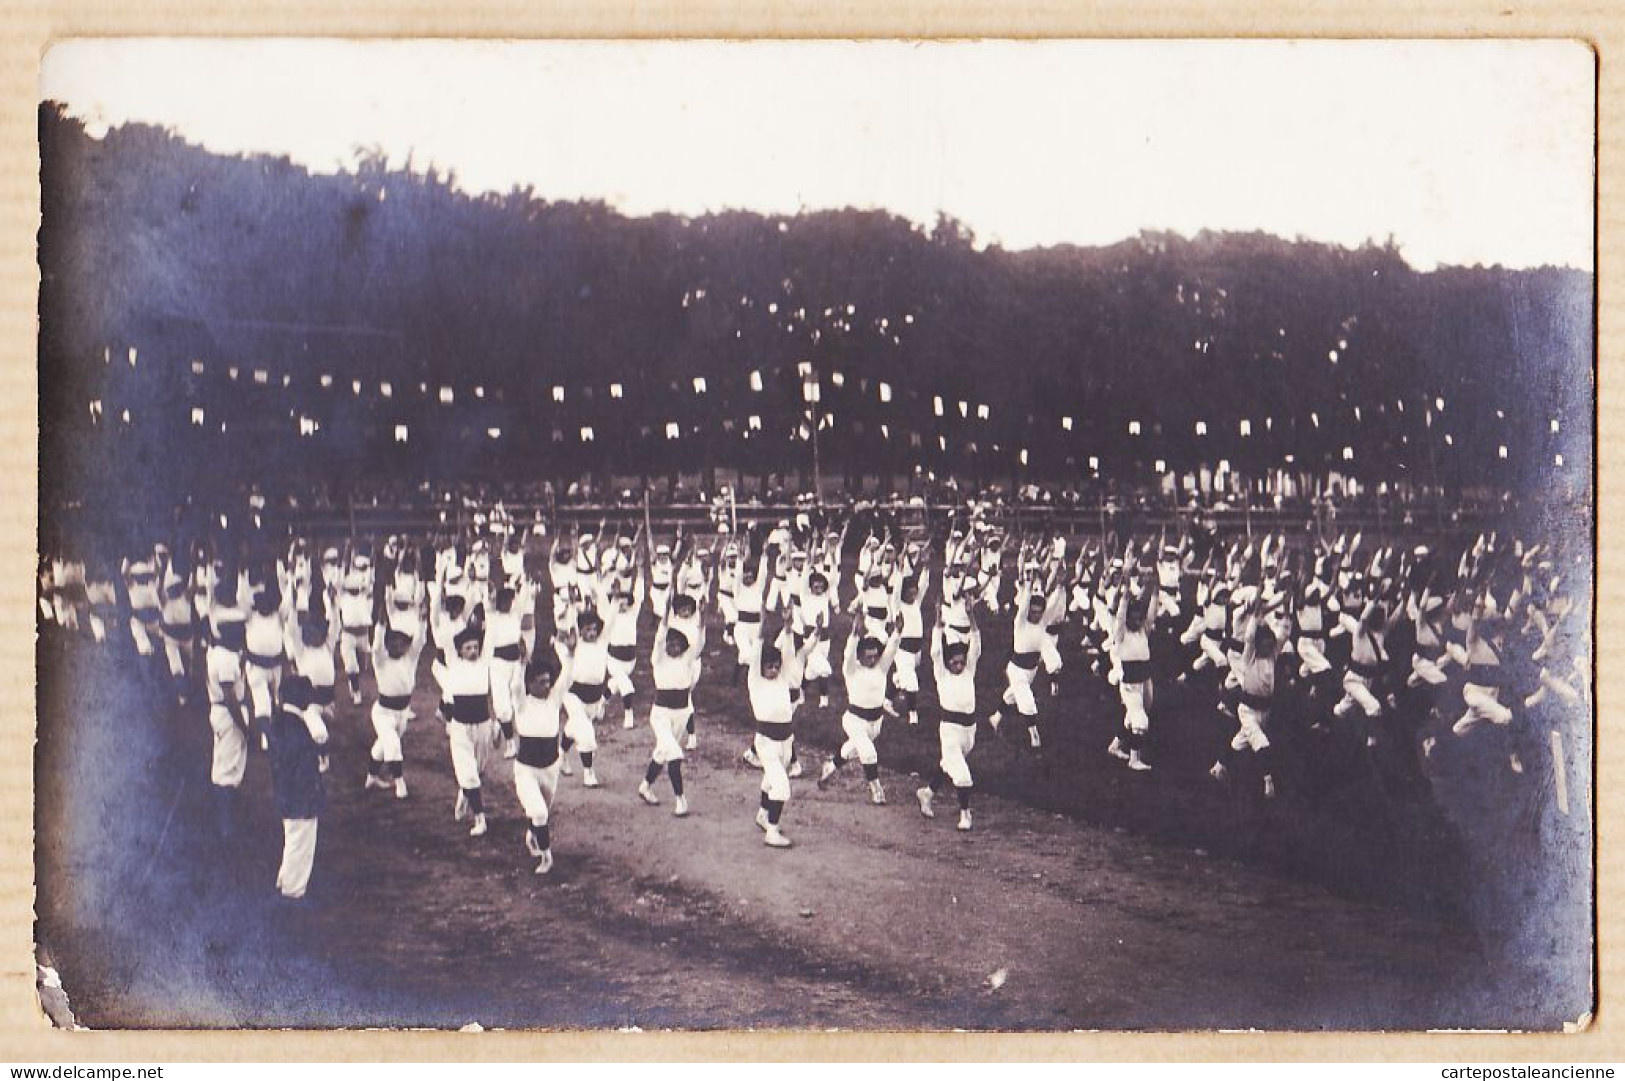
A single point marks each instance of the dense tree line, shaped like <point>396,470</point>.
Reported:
<point>242,281</point>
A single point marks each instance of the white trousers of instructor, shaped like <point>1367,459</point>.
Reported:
<point>535,786</point>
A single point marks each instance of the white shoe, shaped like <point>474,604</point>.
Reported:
<point>459,810</point>
<point>692,743</point>
<point>629,722</point>
<point>546,863</point>
<point>888,709</point>
<point>400,788</point>
<point>877,795</point>
<point>1116,749</point>
<point>646,794</point>
<point>374,781</point>
<point>964,820</point>
<point>589,779</point>
<point>565,769</point>
<point>913,717</point>
<point>1516,763</point>
<point>479,826</point>
<point>826,773</point>
<point>750,759</point>
<point>924,795</point>
<point>761,818</point>
<point>1427,746</point>
<point>510,748</point>
<point>1269,786</point>
<point>795,768</point>
<point>531,846</point>
<point>680,808</point>
<point>1218,772</point>
<point>1135,762</point>
<point>994,719</point>
<point>823,701</point>
<point>775,839</point>
<point>1032,736</point>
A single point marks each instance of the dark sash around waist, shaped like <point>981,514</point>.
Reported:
<point>911,644</point>
<point>625,654</point>
<point>1024,660</point>
<point>181,632</point>
<point>1233,645</point>
<point>147,615</point>
<point>395,701</point>
<point>965,720</point>
<point>508,653</point>
<point>588,693</point>
<point>1369,671</point>
<point>672,699</point>
<point>1217,636</point>
<point>875,611</point>
<point>322,696</point>
<point>263,660</point>
<point>867,713</point>
<point>1136,671</point>
<point>750,617</point>
<point>774,729</point>
<point>470,709</point>
<point>1484,675</point>
<point>538,752</point>
<point>1259,702</point>
<point>361,630</point>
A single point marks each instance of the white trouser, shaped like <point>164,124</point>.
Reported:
<point>860,738</point>
<point>1357,692</point>
<point>298,856</point>
<point>1136,705</point>
<point>620,677</point>
<point>818,665</point>
<point>1483,707</point>
<point>1251,730</point>
<point>669,725</point>
<point>352,646</point>
<point>775,758</point>
<point>230,747</point>
<point>388,725</point>
<point>1020,691</point>
<point>535,787</point>
<point>578,722</point>
<point>1312,651</point>
<point>746,636</point>
<point>1425,670</point>
<point>143,631</point>
<point>507,688</point>
<point>907,671</point>
<point>173,653</point>
<point>1212,654</point>
<point>471,748</point>
<point>957,741</point>
<point>263,686</point>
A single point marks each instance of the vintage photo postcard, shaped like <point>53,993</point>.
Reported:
<point>1038,536</point>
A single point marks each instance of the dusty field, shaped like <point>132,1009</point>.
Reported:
<point>1105,899</point>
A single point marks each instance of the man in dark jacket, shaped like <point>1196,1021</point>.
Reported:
<point>298,740</point>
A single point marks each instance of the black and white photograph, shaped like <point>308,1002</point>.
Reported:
<point>907,536</point>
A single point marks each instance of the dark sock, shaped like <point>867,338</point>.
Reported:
<point>543,835</point>
<point>674,770</point>
<point>651,774</point>
<point>691,724</point>
<point>913,700</point>
<point>586,760</point>
<point>626,702</point>
<point>765,801</point>
<point>375,767</point>
<point>964,797</point>
<point>935,778</point>
<point>475,803</point>
<point>739,671</point>
<point>792,754</point>
<point>507,729</point>
<point>567,743</point>
<point>838,761</point>
<point>775,808</point>
<point>871,771</point>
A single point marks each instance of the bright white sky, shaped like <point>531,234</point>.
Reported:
<point>1466,152</point>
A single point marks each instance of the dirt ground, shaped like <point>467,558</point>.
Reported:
<point>1086,898</point>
